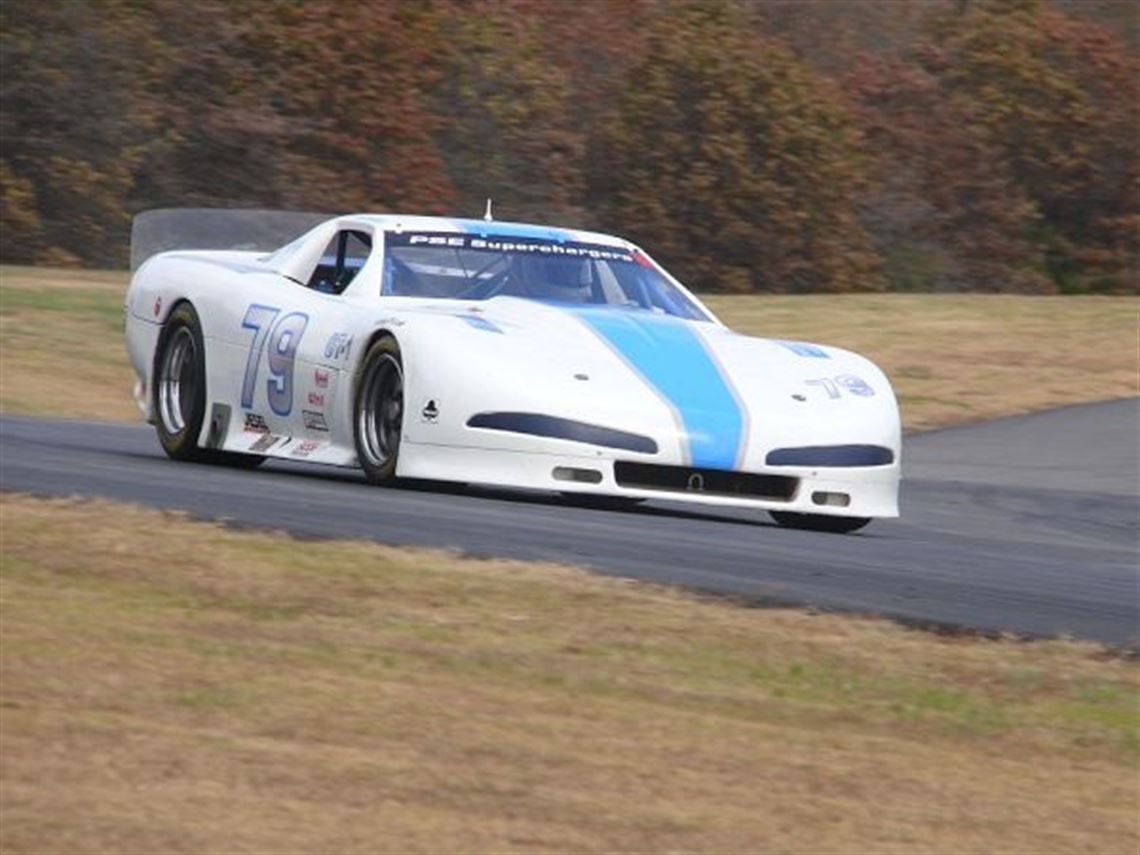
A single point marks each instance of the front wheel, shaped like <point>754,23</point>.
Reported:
<point>819,522</point>
<point>378,411</point>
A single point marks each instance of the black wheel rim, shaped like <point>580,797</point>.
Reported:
<point>381,415</point>
<point>177,381</point>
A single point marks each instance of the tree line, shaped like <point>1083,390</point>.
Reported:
<point>776,146</point>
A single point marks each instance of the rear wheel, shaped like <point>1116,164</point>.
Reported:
<point>819,522</point>
<point>378,411</point>
<point>180,392</point>
<point>180,384</point>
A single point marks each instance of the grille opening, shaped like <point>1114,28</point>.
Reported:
<point>709,482</point>
<point>834,500</point>
<point>831,456</point>
<point>536,424</point>
<point>570,473</point>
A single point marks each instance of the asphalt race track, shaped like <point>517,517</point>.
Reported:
<point>1029,525</point>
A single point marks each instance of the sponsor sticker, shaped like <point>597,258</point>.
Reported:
<point>264,443</point>
<point>316,399</point>
<point>255,423</point>
<point>314,421</point>
<point>513,244</point>
<point>321,378</point>
<point>305,448</point>
<point>157,306</point>
<point>338,346</point>
<point>639,258</point>
<point>429,412</point>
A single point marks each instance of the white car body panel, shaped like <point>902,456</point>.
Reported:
<point>514,355</point>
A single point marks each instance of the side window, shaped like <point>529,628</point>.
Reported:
<point>340,262</point>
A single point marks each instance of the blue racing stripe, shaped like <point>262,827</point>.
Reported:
<point>484,228</point>
<point>803,348</point>
<point>480,323</point>
<point>675,362</point>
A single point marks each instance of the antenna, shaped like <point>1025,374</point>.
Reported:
<point>487,214</point>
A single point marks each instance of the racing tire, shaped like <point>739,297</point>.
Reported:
<point>180,393</point>
<point>819,522</point>
<point>378,411</point>
<point>179,386</point>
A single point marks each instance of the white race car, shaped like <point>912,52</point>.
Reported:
<point>497,353</point>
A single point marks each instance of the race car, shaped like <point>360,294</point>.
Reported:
<point>495,353</point>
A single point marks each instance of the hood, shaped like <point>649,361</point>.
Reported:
<point>720,399</point>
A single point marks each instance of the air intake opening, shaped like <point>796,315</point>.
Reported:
<point>536,424</point>
<point>831,456</point>
<point>584,476</point>
<point>709,482</point>
<point>832,500</point>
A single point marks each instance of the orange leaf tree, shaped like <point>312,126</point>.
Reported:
<point>1016,128</point>
<point>734,161</point>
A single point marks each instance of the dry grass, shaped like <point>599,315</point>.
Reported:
<point>952,358</point>
<point>175,686</point>
<point>61,344</point>
<point>967,357</point>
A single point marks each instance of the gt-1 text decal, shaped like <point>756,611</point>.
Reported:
<point>338,346</point>
<point>283,337</point>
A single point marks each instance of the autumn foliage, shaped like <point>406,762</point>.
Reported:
<point>777,146</point>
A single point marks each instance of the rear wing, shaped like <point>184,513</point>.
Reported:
<point>165,229</point>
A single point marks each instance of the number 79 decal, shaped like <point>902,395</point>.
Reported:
<point>835,385</point>
<point>283,337</point>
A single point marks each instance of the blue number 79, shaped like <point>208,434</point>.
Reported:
<point>283,338</point>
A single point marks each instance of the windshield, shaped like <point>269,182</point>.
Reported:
<point>467,267</point>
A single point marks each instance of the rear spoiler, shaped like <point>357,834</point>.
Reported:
<point>164,229</point>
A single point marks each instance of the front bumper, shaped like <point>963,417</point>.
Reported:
<point>870,491</point>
